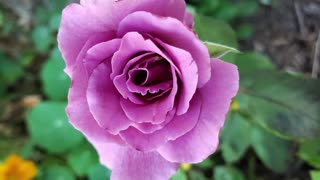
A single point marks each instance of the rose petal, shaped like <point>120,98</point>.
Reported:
<point>177,127</point>
<point>155,112</point>
<point>80,22</point>
<point>120,81</point>
<point>189,20</point>
<point>130,164</point>
<point>99,53</point>
<point>78,110</point>
<point>172,32</point>
<point>188,77</point>
<point>202,141</point>
<point>103,100</point>
<point>133,43</point>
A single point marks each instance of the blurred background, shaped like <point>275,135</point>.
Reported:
<point>273,127</point>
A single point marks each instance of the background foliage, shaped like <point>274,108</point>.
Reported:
<point>272,130</point>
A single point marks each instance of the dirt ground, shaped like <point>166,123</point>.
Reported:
<point>289,34</point>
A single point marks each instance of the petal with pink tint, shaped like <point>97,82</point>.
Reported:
<point>132,44</point>
<point>172,32</point>
<point>103,100</point>
<point>155,112</point>
<point>78,110</point>
<point>216,95</point>
<point>80,21</point>
<point>177,127</point>
<point>129,164</point>
<point>188,76</point>
<point>189,20</point>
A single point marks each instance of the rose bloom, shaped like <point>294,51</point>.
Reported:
<point>144,90</point>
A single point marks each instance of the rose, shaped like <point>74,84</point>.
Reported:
<point>144,90</point>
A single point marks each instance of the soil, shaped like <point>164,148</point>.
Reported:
<point>288,33</point>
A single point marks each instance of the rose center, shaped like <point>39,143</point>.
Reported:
<point>150,78</point>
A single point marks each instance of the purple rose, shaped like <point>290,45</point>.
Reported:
<point>144,90</point>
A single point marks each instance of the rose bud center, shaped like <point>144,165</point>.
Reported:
<point>153,77</point>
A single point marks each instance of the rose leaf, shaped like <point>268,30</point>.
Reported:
<point>275,153</point>
<point>235,137</point>
<point>285,104</point>
<point>227,173</point>
<point>50,129</point>
<point>219,50</point>
<point>309,151</point>
<point>55,82</point>
<point>82,158</point>
<point>99,172</point>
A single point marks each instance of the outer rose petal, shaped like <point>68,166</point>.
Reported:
<point>78,110</point>
<point>202,141</point>
<point>79,22</point>
<point>173,32</point>
<point>177,127</point>
<point>189,20</point>
<point>103,100</point>
<point>129,164</point>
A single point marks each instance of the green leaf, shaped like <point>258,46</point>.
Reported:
<point>196,175</point>
<point>227,173</point>
<point>57,172</point>
<point>284,104</point>
<point>50,129</point>
<point>99,172</point>
<point>41,38</point>
<point>218,50</point>
<point>82,158</point>
<point>247,8</point>
<point>180,175</point>
<point>252,61</point>
<point>217,31</point>
<point>10,72</point>
<point>207,163</point>
<point>275,153</point>
<point>244,31</point>
<point>55,82</point>
<point>309,151</point>
<point>55,22</point>
<point>227,11</point>
<point>235,137</point>
<point>213,30</point>
<point>315,175</point>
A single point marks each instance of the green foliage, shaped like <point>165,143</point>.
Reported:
<point>82,158</point>
<point>221,34</point>
<point>9,71</point>
<point>218,50</point>
<point>99,172</point>
<point>180,175</point>
<point>244,31</point>
<point>310,152</point>
<point>274,152</point>
<point>235,137</point>
<point>55,82</point>
<point>227,10</point>
<point>278,102</point>
<point>227,173</point>
<point>315,175</point>
<point>50,129</point>
<point>41,38</point>
<point>57,172</point>
<point>251,62</point>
